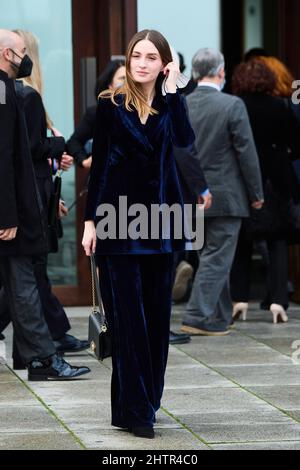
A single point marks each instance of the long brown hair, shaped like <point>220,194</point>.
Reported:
<point>253,76</point>
<point>134,96</point>
<point>284,78</point>
<point>36,78</point>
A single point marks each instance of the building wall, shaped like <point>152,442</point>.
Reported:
<point>51,22</point>
<point>253,20</point>
<point>188,26</point>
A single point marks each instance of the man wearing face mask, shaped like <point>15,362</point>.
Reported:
<point>22,234</point>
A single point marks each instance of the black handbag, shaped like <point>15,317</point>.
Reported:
<point>99,337</point>
<point>54,224</point>
<point>54,200</point>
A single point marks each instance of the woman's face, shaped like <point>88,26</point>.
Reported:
<point>145,62</point>
<point>118,78</point>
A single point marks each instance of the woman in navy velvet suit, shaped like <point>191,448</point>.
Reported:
<point>136,129</point>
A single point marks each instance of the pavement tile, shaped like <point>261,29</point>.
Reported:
<point>271,445</point>
<point>263,374</point>
<point>16,419</point>
<point>193,376</point>
<point>286,397</point>
<point>267,426</point>
<point>38,440</point>
<point>199,400</point>
<point>232,350</point>
<point>202,392</point>
<point>166,439</point>
<point>15,394</point>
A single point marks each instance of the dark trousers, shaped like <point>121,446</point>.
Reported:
<point>136,292</point>
<point>276,263</point>
<point>54,313</point>
<point>210,299</point>
<point>31,332</point>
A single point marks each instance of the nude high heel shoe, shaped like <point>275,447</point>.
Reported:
<point>240,309</point>
<point>279,314</point>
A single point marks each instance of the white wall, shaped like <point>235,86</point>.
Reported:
<point>188,25</point>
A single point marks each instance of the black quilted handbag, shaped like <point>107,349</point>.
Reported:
<point>99,336</point>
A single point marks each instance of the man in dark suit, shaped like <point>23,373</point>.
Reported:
<point>22,232</point>
<point>226,152</point>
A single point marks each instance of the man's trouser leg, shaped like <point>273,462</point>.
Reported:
<point>215,261</point>
<point>31,332</point>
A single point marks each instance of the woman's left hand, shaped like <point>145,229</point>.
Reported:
<point>172,71</point>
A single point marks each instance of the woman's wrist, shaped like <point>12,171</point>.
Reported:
<point>171,88</point>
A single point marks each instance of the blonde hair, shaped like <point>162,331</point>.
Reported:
<point>134,96</point>
<point>284,78</point>
<point>36,78</point>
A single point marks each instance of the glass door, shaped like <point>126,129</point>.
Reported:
<point>51,22</point>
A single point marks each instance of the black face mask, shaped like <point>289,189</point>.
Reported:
<point>24,68</point>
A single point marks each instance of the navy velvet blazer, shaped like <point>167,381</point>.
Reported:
<point>135,160</point>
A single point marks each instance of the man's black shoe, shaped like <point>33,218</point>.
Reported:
<point>70,344</point>
<point>144,432</point>
<point>179,338</point>
<point>54,368</point>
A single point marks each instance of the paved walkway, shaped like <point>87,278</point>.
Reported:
<point>237,392</point>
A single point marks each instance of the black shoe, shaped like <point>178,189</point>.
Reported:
<point>54,368</point>
<point>70,344</point>
<point>179,338</point>
<point>145,432</point>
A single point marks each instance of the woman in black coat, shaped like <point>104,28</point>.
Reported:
<point>276,136</point>
<point>133,158</point>
<point>112,77</point>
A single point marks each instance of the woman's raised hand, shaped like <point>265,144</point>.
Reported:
<point>172,72</point>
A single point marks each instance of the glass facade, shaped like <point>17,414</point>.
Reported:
<point>253,20</point>
<point>51,22</point>
<point>188,27</point>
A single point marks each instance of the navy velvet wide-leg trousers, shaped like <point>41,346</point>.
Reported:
<point>136,291</point>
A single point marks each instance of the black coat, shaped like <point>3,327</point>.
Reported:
<point>83,133</point>
<point>20,204</point>
<point>41,146</point>
<point>276,135</point>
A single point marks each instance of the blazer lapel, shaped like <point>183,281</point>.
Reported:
<point>131,122</point>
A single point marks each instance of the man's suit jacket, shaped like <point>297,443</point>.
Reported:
<point>226,151</point>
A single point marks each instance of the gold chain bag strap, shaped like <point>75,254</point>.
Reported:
<point>99,337</point>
